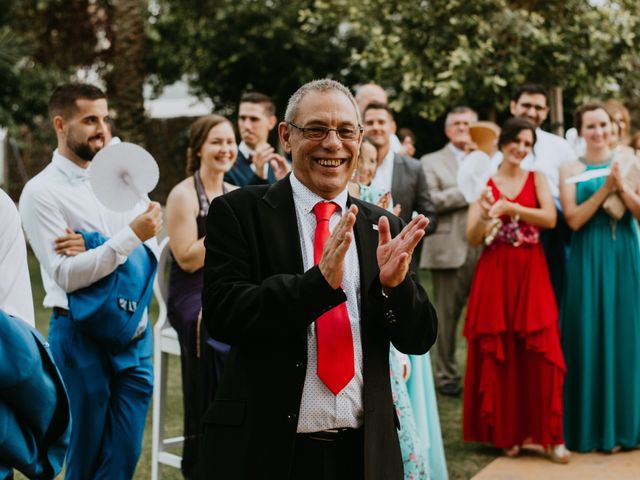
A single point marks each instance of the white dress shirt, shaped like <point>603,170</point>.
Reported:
<point>15,286</point>
<point>61,196</point>
<point>384,174</point>
<point>549,153</point>
<point>395,144</point>
<point>459,154</point>
<point>320,409</point>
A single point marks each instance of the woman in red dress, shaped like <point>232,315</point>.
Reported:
<point>515,368</point>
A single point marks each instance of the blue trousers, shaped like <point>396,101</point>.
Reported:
<point>109,396</point>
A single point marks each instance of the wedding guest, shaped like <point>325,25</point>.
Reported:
<point>620,116</point>
<point>109,386</point>
<point>515,368</point>
<point>306,391</point>
<point>211,154</point>
<point>408,140</point>
<point>600,316</point>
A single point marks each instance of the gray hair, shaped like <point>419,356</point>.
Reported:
<point>458,110</point>
<point>323,85</point>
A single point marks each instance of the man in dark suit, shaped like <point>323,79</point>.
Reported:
<point>291,298</point>
<point>402,176</point>
<point>257,162</point>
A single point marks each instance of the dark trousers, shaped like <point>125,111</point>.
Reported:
<point>341,458</point>
<point>555,243</point>
<point>199,383</point>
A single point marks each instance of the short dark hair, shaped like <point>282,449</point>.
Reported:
<point>262,99</point>
<point>584,108</point>
<point>377,106</point>
<point>531,89</point>
<point>406,132</point>
<point>512,128</point>
<point>63,99</point>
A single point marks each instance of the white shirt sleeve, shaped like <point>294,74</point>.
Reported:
<point>15,286</point>
<point>44,222</point>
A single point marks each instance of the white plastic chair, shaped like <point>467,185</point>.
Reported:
<point>165,344</point>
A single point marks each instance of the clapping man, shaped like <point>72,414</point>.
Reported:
<point>309,286</point>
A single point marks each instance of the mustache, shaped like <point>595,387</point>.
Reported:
<point>97,137</point>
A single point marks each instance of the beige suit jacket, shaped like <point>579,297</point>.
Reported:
<point>447,247</point>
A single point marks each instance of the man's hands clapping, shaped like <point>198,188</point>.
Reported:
<point>393,255</point>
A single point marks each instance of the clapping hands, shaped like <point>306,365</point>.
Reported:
<point>394,254</point>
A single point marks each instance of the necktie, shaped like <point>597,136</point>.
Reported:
<point>333,330</point>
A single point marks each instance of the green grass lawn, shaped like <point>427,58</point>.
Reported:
<point>463,459</point>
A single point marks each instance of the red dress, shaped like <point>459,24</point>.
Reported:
<point>515,366</point>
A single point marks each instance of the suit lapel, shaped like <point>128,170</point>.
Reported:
<point>397,179</point>
<point>450,162</point>
<point>280,228</point>
<point>367,243</point>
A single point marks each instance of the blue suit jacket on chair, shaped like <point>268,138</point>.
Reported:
<point>110,309</point>
<point>35,421</point>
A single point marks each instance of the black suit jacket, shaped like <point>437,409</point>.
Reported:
<point>257,298</point>
<point>241,173</point>
<point>409,189</point>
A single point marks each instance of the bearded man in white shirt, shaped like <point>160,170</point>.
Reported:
<point>109,391</point>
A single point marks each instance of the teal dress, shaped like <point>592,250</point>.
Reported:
<point>600,324</point>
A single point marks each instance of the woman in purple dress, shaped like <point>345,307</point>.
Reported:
<point>212,152</point>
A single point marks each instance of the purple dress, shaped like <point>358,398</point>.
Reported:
<point>202,358</point>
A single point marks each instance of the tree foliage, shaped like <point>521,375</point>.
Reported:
<point>438,53</point>
<point>227,47</point>
<point>43,43</point>
<point>430,54</point>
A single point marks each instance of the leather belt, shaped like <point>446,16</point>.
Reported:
<point>61,312</point>
<point>332,435</point>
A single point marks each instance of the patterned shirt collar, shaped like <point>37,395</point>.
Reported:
<point>305,199</point>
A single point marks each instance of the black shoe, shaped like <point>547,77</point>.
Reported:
<point>450,389</point>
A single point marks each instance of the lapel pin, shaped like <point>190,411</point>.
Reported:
<point>375,227</point>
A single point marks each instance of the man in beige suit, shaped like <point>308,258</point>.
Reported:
<point>446,252</point>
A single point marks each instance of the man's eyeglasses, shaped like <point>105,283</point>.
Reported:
<point>528,106</point>
<point>320,132</point>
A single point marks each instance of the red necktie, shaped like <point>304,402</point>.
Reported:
<point>333,330</point>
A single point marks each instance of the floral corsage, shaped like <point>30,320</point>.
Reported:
<point>512,232</point>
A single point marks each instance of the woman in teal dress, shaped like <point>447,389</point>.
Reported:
<point>600,314</point>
